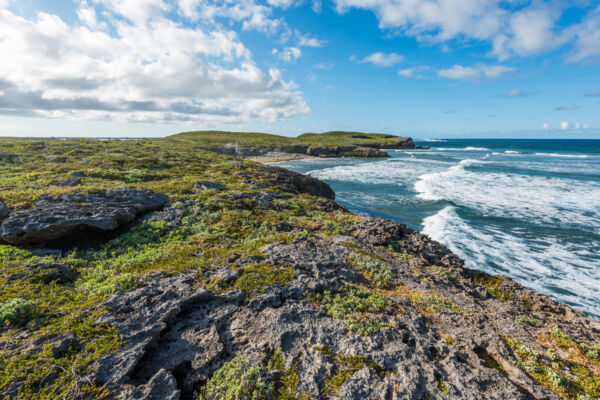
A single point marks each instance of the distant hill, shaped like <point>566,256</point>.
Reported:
<point>327,144</point>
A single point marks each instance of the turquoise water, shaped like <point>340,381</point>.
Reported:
<point>528,209</point>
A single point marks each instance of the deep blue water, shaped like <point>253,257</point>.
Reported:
<point>528,209</point>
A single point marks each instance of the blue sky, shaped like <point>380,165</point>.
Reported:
<point>429,68</point>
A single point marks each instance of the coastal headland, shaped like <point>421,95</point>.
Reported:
<point>262,146</point>
<point>174,269</point>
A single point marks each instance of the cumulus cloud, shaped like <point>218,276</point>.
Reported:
<point>566,107</point>
<point>288,54</point>
<point>587,37</point>
<point>514,93</point>
<point>307,41</point>
<point>565,126</point>
<point>145,67</point>
<point>511,28</point>
<point>381,59</point>
<point>475,72</point>
<point>415,72</point>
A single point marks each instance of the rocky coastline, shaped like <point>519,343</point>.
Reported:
<point>369,149</point>
<point>180,275</point>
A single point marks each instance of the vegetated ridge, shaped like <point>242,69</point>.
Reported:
<point>328,144</point>
<point>155,269</point>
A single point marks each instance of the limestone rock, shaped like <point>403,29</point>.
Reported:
<point>291,182</point>
<point>365,152</point>
<point>3,212</point>
<point>205,185</point>
<point>57,217</point>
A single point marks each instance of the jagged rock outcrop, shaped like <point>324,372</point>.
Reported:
<point>345,151</point>
<point>365,152</point>
<point>57,217</point>
<point>406,143</point>
<point>367,149</point>
<point>176,334</point>
<point>289,181</point>
<point>205,185</point>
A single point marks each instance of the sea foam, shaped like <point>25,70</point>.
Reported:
<point>567,272</point>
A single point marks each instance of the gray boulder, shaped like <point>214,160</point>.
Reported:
<point>3,211</point>
<point>57,217</point>
<point>205,185</point>
<point>365,152</point>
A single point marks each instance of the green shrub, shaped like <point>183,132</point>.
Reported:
<point>350,304</point>
<point>523,321</point>
<point>15,311</point>
<point>238,380</point>
<point>380,273</point>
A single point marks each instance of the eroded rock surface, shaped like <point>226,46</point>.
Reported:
<point>176,334</point>
<point>56,217</point>
<point>289,181</point>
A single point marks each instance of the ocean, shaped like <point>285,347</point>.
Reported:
<point>527,209</point>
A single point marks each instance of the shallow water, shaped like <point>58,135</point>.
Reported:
<point>528,209</point>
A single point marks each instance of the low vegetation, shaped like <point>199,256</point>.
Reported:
<point>212,139</point>
<point>356,307</point>
<point>239,379</point>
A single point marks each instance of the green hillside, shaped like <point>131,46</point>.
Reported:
<point>335,138</point>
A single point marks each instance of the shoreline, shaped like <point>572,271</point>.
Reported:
<point>277,157</point>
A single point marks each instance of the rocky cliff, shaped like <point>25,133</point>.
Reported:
<point>215,278</point>
<point>362,149</point>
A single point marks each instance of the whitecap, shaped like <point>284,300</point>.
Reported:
<point>563,155</point>
<point>536,199</point>
<point>475,149</point>
<point>543,266</point>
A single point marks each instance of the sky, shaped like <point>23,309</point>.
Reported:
<point>420,68</point>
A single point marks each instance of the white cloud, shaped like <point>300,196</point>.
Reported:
<point>288,54</point>
<point>475,72</point>
<point>407,72</point>
<point>281,3</point>
<point>144,68</point>
<point>307,41</point>
<point>416,72</point>
<point>317,6</point>
<point>587,42</point>
<point>513,94</point>
<point>138,11</point>
<point>566,107</point>
<point>564,125</point>
<point>381,59</point>
<point>592,93</point>
<point>546,126</point>
<point>323,65</point>
<point>514,27</point>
